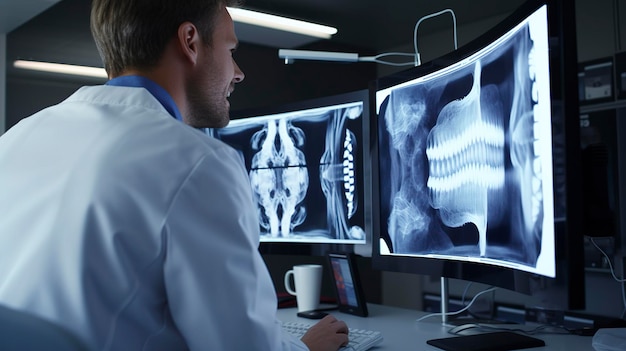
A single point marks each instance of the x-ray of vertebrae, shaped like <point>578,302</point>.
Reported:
<point>465,157</point>
<point>305,172</point>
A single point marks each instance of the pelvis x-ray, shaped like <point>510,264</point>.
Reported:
<point>463,161</point>
<point>305,172</point>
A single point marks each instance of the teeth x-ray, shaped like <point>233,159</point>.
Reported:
<point>465,160</point>
<point>305,171</point>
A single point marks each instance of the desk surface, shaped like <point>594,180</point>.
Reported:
<point>402,331</point>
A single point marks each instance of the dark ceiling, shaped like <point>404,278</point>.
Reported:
<point>61,33</point>
<point>378,25</point>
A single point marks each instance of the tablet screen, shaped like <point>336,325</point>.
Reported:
<point>349,292</point>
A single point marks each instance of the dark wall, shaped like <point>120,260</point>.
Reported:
<point>27,94</point>
<point>270,81</point>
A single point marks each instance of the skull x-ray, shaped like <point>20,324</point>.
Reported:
<point>465,160</point>
<point>305,169</point>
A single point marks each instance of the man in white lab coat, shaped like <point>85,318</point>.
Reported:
<point>122,222</point>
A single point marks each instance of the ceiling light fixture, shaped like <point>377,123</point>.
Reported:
<point>84,71</point>
<point>281,23</point>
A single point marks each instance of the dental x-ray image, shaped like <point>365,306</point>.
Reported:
<point>465,158</point>
<point>305,169</point>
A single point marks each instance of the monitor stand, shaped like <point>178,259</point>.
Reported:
<point>491,341</point>
<point>445,295</point>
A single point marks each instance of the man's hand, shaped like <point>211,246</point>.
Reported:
<point>327,335</point>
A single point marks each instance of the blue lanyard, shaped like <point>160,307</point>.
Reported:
<point>156,90</point>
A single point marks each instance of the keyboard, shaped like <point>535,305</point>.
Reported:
<point>360,340</point>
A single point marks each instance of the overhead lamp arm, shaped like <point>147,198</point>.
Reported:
<point>292,55</point>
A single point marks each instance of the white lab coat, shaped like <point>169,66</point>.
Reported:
<point>133,230</point>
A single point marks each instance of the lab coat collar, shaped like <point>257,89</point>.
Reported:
<point>156,90</point>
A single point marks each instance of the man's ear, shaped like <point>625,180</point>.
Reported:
<point>189,41</point>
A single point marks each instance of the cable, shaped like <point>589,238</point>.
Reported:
<point>624,298</point>
<point>469,312</point>
<point>616,27</point>
<point>608,259</point>
<point>619,280</point>
<point>417,55</point>
<point>459,311</point>
<point>465,292</point>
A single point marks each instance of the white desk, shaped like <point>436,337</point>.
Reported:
<point>401,331</point>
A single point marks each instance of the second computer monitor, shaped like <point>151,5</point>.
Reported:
<point>476,161</point>
<point>305,164</point>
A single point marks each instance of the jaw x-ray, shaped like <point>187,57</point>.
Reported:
<point>305,170</point>
<point>465,163</point>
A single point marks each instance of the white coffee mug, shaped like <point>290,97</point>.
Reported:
<point>308,285</point>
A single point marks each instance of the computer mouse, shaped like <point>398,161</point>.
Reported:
<point>459,329</point>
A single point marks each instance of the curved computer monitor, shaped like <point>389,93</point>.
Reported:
<point>306,168</point>
<point>476,161</point>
